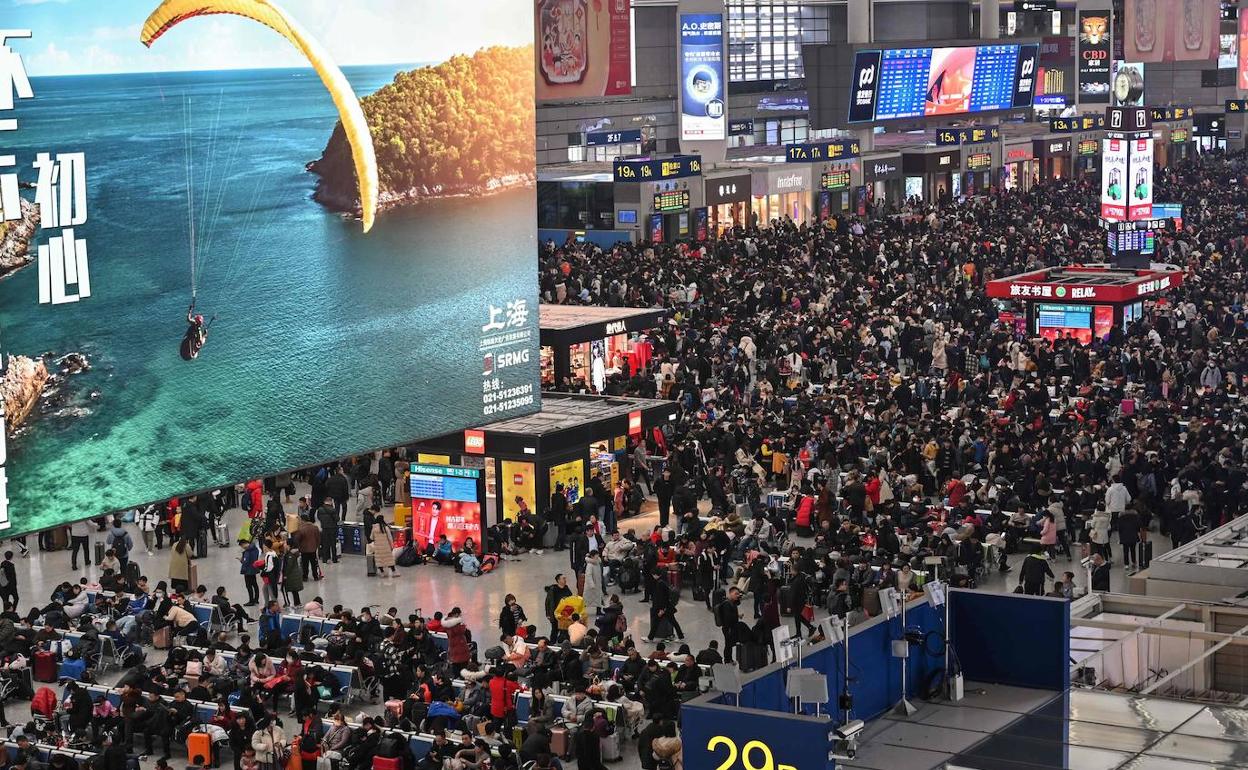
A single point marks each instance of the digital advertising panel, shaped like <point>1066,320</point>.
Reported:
<point>1140,190</point>
<point>916,82</point>
<point>704,114</point>
<point>518,481</point>
<point>257,241</point>
<point>446,501</point>
<point>1095,55</point>
<point>1170,30</point>
<point>1114,179</point>
<point>1242,70</point>
<point>585,48</point>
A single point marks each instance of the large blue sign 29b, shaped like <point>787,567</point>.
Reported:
<point>721,738</point>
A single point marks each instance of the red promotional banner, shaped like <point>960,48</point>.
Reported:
<point>583,48</point>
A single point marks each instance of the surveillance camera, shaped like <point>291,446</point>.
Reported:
<point>850,729</point>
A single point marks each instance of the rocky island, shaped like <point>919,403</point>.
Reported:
<point>461,128</point>
<point>21,386</point>
<point>15,238</point>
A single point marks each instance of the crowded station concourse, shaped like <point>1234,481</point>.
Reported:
<point>853,417</point>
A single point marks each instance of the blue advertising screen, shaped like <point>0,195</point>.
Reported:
<point>918,82</point>
<point>1064,316</point>
<point>444,488</point>
<point>703,112</point>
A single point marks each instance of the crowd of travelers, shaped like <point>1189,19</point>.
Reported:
<point>854,416</point>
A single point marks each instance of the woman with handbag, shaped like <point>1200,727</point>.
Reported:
<point>272,748</point>
<point>334,743</point>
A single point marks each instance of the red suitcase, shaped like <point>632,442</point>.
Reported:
<point>560,742</point>
<point>45,666</point>
<point>387,763</point>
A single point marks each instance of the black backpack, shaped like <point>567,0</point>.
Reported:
<point>391,745</point>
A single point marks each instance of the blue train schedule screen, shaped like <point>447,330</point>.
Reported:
<point>903,83</point>
<point>993,82</point>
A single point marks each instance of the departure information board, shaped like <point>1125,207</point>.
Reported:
<point>917,82</point>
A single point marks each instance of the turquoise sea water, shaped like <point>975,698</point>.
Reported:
<point>328,342</point>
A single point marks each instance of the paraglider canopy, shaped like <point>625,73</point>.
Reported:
<point>172,12</point>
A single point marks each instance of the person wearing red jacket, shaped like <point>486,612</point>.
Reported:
<point>503,691</point>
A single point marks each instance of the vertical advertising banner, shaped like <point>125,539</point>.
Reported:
<point>1114,179</point>
<point>1242,79</point>
<point>1140,191</point>
<point>1095,44</point>
<point>701,223</point>
<point>518,481</point>
<point>220,222</point>
<point>656,228</point>
<point>703,86</point>
<point>584,48</point>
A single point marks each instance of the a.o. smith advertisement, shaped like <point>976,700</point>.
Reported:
<point>240,238</point>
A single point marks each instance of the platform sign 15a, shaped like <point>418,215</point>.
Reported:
<point>717,738</point>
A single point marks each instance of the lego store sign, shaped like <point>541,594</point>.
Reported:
<point>474,442</point>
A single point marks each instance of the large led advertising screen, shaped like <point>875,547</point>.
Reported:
<point>918,82</point>
<point>1114,179</point>
<point>252,241</point>
<point>703,104</point>
<point>585,48</point>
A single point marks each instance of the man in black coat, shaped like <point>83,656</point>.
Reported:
<point>663,608</point>
<point>1032,574</point>
<point>663,489</point>
<point>1100,573</point>
<point>338,488</point>
<point>327,517</point>
<point>555,593</point>
<point>727,617</point>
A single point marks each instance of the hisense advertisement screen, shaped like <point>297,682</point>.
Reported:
<point>241,239</point>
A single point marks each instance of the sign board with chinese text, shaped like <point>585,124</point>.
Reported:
<point>657,170</point>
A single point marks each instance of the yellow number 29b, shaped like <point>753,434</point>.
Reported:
<point>749,752</point>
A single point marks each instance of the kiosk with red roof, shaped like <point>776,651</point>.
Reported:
<point>1084,301</point>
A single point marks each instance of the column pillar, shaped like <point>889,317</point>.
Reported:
<point>859,24</point>
<point>990,19</point>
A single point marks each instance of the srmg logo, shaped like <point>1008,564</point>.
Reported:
<point>866,77</point>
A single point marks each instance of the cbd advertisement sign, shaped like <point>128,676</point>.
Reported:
<point>1095,56</point>
<point>256,242</point>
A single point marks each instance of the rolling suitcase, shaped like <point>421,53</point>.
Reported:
<point>45,666</point>
<point>561,742</point>
<point>610,747</point>
<point>99,551</point>
<point>1146,554</point>
<point>58,538</point>
<point>786,601</point>
<point>517,737</point>
<point>223,534</point>
<point>162,638</point>
<point>372,566</point>
<point>199,749</point>
<point>751,656</point>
